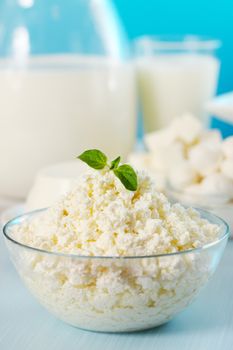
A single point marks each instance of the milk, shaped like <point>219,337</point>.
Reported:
<point>59,107</point>
<point>170,85</point>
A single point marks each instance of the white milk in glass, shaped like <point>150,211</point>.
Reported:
<point>59,107</point>
<point>170,85</point>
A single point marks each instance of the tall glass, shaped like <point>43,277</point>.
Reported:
<point>176,75</point>
<point>66,85</point>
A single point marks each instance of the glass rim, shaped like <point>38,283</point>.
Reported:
<point>224,235</point>
<point>148,43</point>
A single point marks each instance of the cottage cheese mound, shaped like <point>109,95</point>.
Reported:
<point>99,217</point>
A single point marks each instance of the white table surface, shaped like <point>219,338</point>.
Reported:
<point>206,324</point>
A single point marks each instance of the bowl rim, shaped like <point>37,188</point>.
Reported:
<point>224,235</point>
<point>173,193</point>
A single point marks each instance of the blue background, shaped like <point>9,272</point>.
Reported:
<point>203,17</point>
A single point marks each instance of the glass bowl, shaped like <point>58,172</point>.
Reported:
<point>115,294</point>
<point>219,205</point>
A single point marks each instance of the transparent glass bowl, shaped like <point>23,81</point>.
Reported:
<point>115,294</point>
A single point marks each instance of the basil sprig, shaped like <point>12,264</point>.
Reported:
<point>94,158</point>
<point>98,160</point>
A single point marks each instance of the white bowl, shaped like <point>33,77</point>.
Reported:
<point>53,182</point>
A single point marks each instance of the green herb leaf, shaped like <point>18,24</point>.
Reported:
<point>115,163</point>
<point>98,160</point>
<point>127,176</point>
<point>94,158</point>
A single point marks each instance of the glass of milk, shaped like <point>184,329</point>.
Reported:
<point>66,85</point>
<point>175,76</point>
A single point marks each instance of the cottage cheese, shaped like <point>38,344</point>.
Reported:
<point>201,174</point>
<point>187,154</point>
<point>99,217</point>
